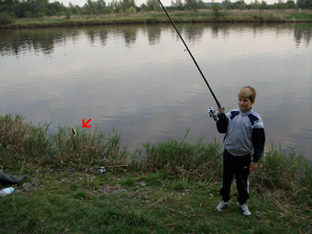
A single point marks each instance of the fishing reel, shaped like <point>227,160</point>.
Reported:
<point>213,113</point>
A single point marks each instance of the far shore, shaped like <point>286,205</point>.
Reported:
<point>201,16</point>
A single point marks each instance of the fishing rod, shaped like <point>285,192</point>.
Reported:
<point>214,96</point>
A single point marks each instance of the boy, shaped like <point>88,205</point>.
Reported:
<point>244,132</point>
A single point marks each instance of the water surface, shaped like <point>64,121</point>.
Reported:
<point>141,80</point>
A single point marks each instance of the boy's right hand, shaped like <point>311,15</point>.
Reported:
<point>221,110</point>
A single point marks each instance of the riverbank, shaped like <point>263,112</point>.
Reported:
<point>202,16</point>
<point>171,188</point>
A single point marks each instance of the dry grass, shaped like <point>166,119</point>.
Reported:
<point>200,16</point>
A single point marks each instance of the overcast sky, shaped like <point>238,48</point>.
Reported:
<point>165,2</point>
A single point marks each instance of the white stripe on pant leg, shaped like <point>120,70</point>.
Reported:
<point>248,185</point>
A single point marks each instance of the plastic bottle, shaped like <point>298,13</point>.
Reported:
<point>6,191</point>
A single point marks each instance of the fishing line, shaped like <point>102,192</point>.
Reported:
<point>214,96</point>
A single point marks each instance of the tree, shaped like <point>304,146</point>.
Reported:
<point>304,4</point>
<point>21,9</point>
<point>226,4</point>
<point>239,5</point>
<point>194,4</point>
<point>100,5</point>
<point>55,8</point>
<point>291,4</point>
<point>90,7</point>
<point>153,5</point>
<point>115,5</point>
<point>255,5</point>
<point>178,4</point>
<point>191,4</point>
<point>74,9</point>
<point>264,5</point>
<point>216,10</point>
<point>126,4</point>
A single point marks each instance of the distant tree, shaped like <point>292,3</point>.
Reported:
<point>100,5</point>
<point>255,5</point>
<point>226,4</point>
<point>74,9</point>
<point>201,4</point>
<point>239,5</point>
<point>291,4</point>
<point>31,8</point>
<point>264,5</point>
<point>21,9</point>
<point>178,4</point>
<point>153,5</point>
<point>130,10</point>
<point>115,6</point>
<point>54,8</point>
<point>90,7</point>
<point>216,10</point>
<point>126,4</point>
<point>194,4</point>
<point>304,4</point>
<point>191,4</point>
<point>280,5</point>
<point>39,5</point>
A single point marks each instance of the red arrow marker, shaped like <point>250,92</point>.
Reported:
<point>85,125</point>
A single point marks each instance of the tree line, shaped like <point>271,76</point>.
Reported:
<point>41,8</point>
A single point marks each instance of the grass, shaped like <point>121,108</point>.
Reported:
<point>173,188</point>
<point>201,16</point>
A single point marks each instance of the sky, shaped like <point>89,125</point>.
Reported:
<point>165,2</point>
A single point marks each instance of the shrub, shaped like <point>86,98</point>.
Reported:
<point>5,19</point>
<point>216,10</point>
<point>130,10</point>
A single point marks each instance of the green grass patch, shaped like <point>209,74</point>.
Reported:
<point>173,189</point>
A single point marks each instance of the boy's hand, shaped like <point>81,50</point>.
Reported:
<point>253,166</point>
<point>221,110</point>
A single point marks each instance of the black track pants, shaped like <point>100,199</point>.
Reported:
<point>238,166</point>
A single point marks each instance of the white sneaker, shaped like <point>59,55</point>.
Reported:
<point>244,209</point>
<point>222,205</point>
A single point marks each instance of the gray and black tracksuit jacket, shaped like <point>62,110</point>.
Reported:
<point>244,133</point>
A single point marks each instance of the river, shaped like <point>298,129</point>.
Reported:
<point>140,80</point>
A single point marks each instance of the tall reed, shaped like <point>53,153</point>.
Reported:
<point>285,171</point>
<point>24,145</point>
<point>178,156</point>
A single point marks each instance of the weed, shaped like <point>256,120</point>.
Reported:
<point>174,189</point>
<point>31,147</point>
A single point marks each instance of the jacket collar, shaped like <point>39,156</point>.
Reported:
<point>245,112</point>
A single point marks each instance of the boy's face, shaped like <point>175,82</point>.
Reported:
<point>244,104</point>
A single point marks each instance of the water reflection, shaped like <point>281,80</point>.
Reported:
<point>15,42</point>
<point>153,36</point>
<point>140,80</point>
<point>302,32</point>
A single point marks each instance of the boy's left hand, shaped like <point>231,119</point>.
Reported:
<point>253,166</point>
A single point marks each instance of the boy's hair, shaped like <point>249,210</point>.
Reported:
<point>248,92</point>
